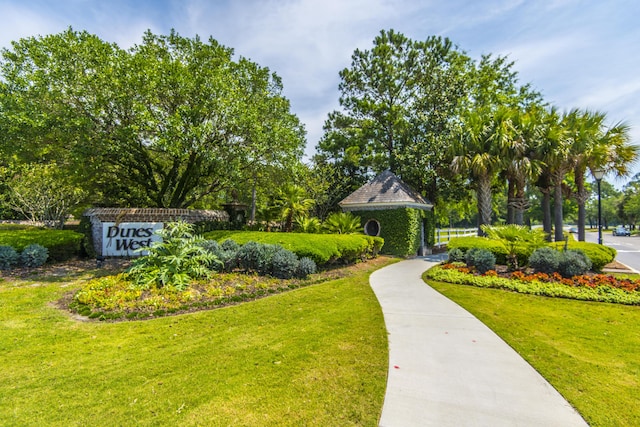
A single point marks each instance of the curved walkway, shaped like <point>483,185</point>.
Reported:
<point>446,368</point>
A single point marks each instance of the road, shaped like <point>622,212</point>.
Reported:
<point>628,247</point>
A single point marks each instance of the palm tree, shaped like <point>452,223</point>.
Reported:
<point>485,137</point>
<point>552,152</point>
<point>293,202</point>
<point>521,164</point>
<point>595,147</point>
<point>583,128</point>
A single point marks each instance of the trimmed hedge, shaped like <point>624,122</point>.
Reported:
<point>469,242</point>
<point>61,244</point>
<point>599,255</point>
<point>323,249</point>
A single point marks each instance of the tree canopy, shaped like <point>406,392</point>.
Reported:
<point>167,123</point>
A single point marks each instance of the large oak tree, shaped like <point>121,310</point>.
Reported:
<point>168,123</point>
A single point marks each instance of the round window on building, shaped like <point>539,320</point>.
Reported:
<point>372,228</point>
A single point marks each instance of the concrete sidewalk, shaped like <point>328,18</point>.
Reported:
<point>446,368</point>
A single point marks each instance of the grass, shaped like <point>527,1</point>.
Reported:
<point>587,351</point>
<point>312,356</point>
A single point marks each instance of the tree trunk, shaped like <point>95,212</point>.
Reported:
<point>557,211</point>
<point>484,202</point>
<point>253,202</point>
<point>511,195</point>
<point>546,212</point>
<point>581,197</point>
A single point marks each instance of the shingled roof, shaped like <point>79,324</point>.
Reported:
<point>386,191</point>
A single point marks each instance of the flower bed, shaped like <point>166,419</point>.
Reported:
<point>113,297</point>
<point>593,287</point>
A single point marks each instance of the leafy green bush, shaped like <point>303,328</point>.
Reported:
<point>61,244</point>
<point>573,263</point>
<point>8,257</point>
<point>482,259</point>
<point>173,262</point>
<point>468,242</point>
<point>323,249</point>
<point>306,224</point>
<point>518,241</point>
<point>34,255</point>
<point>545,260</point>
<point>261,258</point>
<point>600,255</point>
<point>455,255</point>
<point>343,223</point>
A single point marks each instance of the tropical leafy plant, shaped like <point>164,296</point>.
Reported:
<point>343,223</point>
<point>293,202</point>
<point>174,262</point>
<point>306,224</point>
<point>514,238</point>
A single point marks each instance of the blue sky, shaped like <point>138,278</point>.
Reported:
<point>577,53</point>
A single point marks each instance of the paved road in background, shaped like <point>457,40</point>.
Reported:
<point>628,247</point>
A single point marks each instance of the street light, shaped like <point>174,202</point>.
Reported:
<point>598,174</point>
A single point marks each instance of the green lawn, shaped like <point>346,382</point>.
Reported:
<point>312,356</point>
<point>587,351</point>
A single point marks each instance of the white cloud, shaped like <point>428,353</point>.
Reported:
<point>19,22</point>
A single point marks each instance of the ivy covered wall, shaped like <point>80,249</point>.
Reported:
<point>400,229</point>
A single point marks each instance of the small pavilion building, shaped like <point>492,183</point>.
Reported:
<point>391,209</point>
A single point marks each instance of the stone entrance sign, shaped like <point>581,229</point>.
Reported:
<point>119,232</point>
<point>127,238</point>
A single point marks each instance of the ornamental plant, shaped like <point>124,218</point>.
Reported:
<point>482,259</point>
<point>34,255</point>
<point>545,260</point>
<point>592,287</point>
<point>8,257</point>
<point>516,240</point>
<point>175,261</point>
<point>343,223</point>
<point>573,263</point>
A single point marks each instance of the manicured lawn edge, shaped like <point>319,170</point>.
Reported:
<point>312,356</point>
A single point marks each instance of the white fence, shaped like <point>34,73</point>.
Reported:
<point>443,235</point>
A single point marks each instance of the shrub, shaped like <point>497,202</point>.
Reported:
<point>518,241</point>
<point>456,255</point>
<point>308,225</point>
<point>323,249</point>
<point>284,264</point>
<point>251,256</point>
<point>481,259</point>
<point>306,267</point>
<point>573,263</point>
<point>34,255</point>
<point>175,261</point>
<point>8,257</point>
<point>343,223</point>
<point>545,260</point>
<point>62,244</point>
<point>599,255</point>
<point>469,242</point>
<point>230,245</point>
<point>227,258</point>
